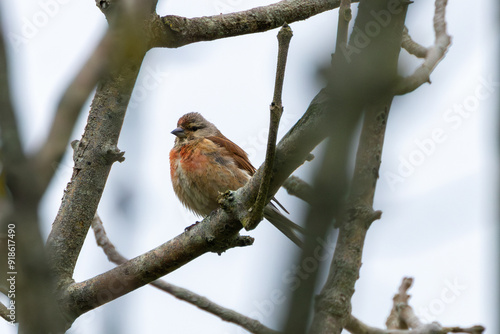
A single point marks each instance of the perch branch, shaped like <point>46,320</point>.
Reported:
<point>434,54</point>
<point>276,110</point>
<point>190,297</point>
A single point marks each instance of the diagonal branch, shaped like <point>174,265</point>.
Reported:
<point>214,233</point>
<point>174,31</point>
<point>201,302</point>
<point>4,312</point>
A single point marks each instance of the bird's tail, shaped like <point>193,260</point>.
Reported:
<point>291,230</point>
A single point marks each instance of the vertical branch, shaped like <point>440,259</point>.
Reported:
<point>276,110</point>
<point>377,70</point>
<point>345,16</point>
<point>361,77</point>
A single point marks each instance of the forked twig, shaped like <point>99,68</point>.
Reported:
<point>256,212</point>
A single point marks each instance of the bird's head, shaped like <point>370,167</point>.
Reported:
<point>193,126</point>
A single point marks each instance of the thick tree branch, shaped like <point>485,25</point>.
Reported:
<point>174,31</point>
<point>201,302</point>
<point>434,54</point>
<point>371,85</point>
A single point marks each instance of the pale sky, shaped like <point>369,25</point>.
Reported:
<point>437,179</point>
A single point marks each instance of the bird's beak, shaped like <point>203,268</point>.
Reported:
<point>179,132</point>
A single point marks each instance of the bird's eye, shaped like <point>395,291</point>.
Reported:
<point>194,128</point>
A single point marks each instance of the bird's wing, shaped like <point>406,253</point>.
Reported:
<point>239,156</point>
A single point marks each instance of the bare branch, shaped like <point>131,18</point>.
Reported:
<point>403,317</point>
<point>174,31</point>
<point>276,110</point>
<point>201,302</point>
<point>434,54</point>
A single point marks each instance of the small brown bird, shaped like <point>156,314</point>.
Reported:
<point>204,163</point>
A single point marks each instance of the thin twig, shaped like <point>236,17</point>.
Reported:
<point>411,46</point>
<point>434,54</point>
<point>201,302</point>
<point>276,110</point>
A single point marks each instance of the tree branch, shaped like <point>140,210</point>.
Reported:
<point>299,188</point>
<point>413,47</point>
<point>356,326</point>
<point>403,317</point>
<point>276,110</point>
<point>174,31</point>
<point>201,302</point>
<point>434,54</point>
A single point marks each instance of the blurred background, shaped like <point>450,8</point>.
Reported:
<point>438,179</point>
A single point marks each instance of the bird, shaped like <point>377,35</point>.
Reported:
<point>204,164</point>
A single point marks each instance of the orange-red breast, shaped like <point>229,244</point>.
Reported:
<point>204,163</point>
